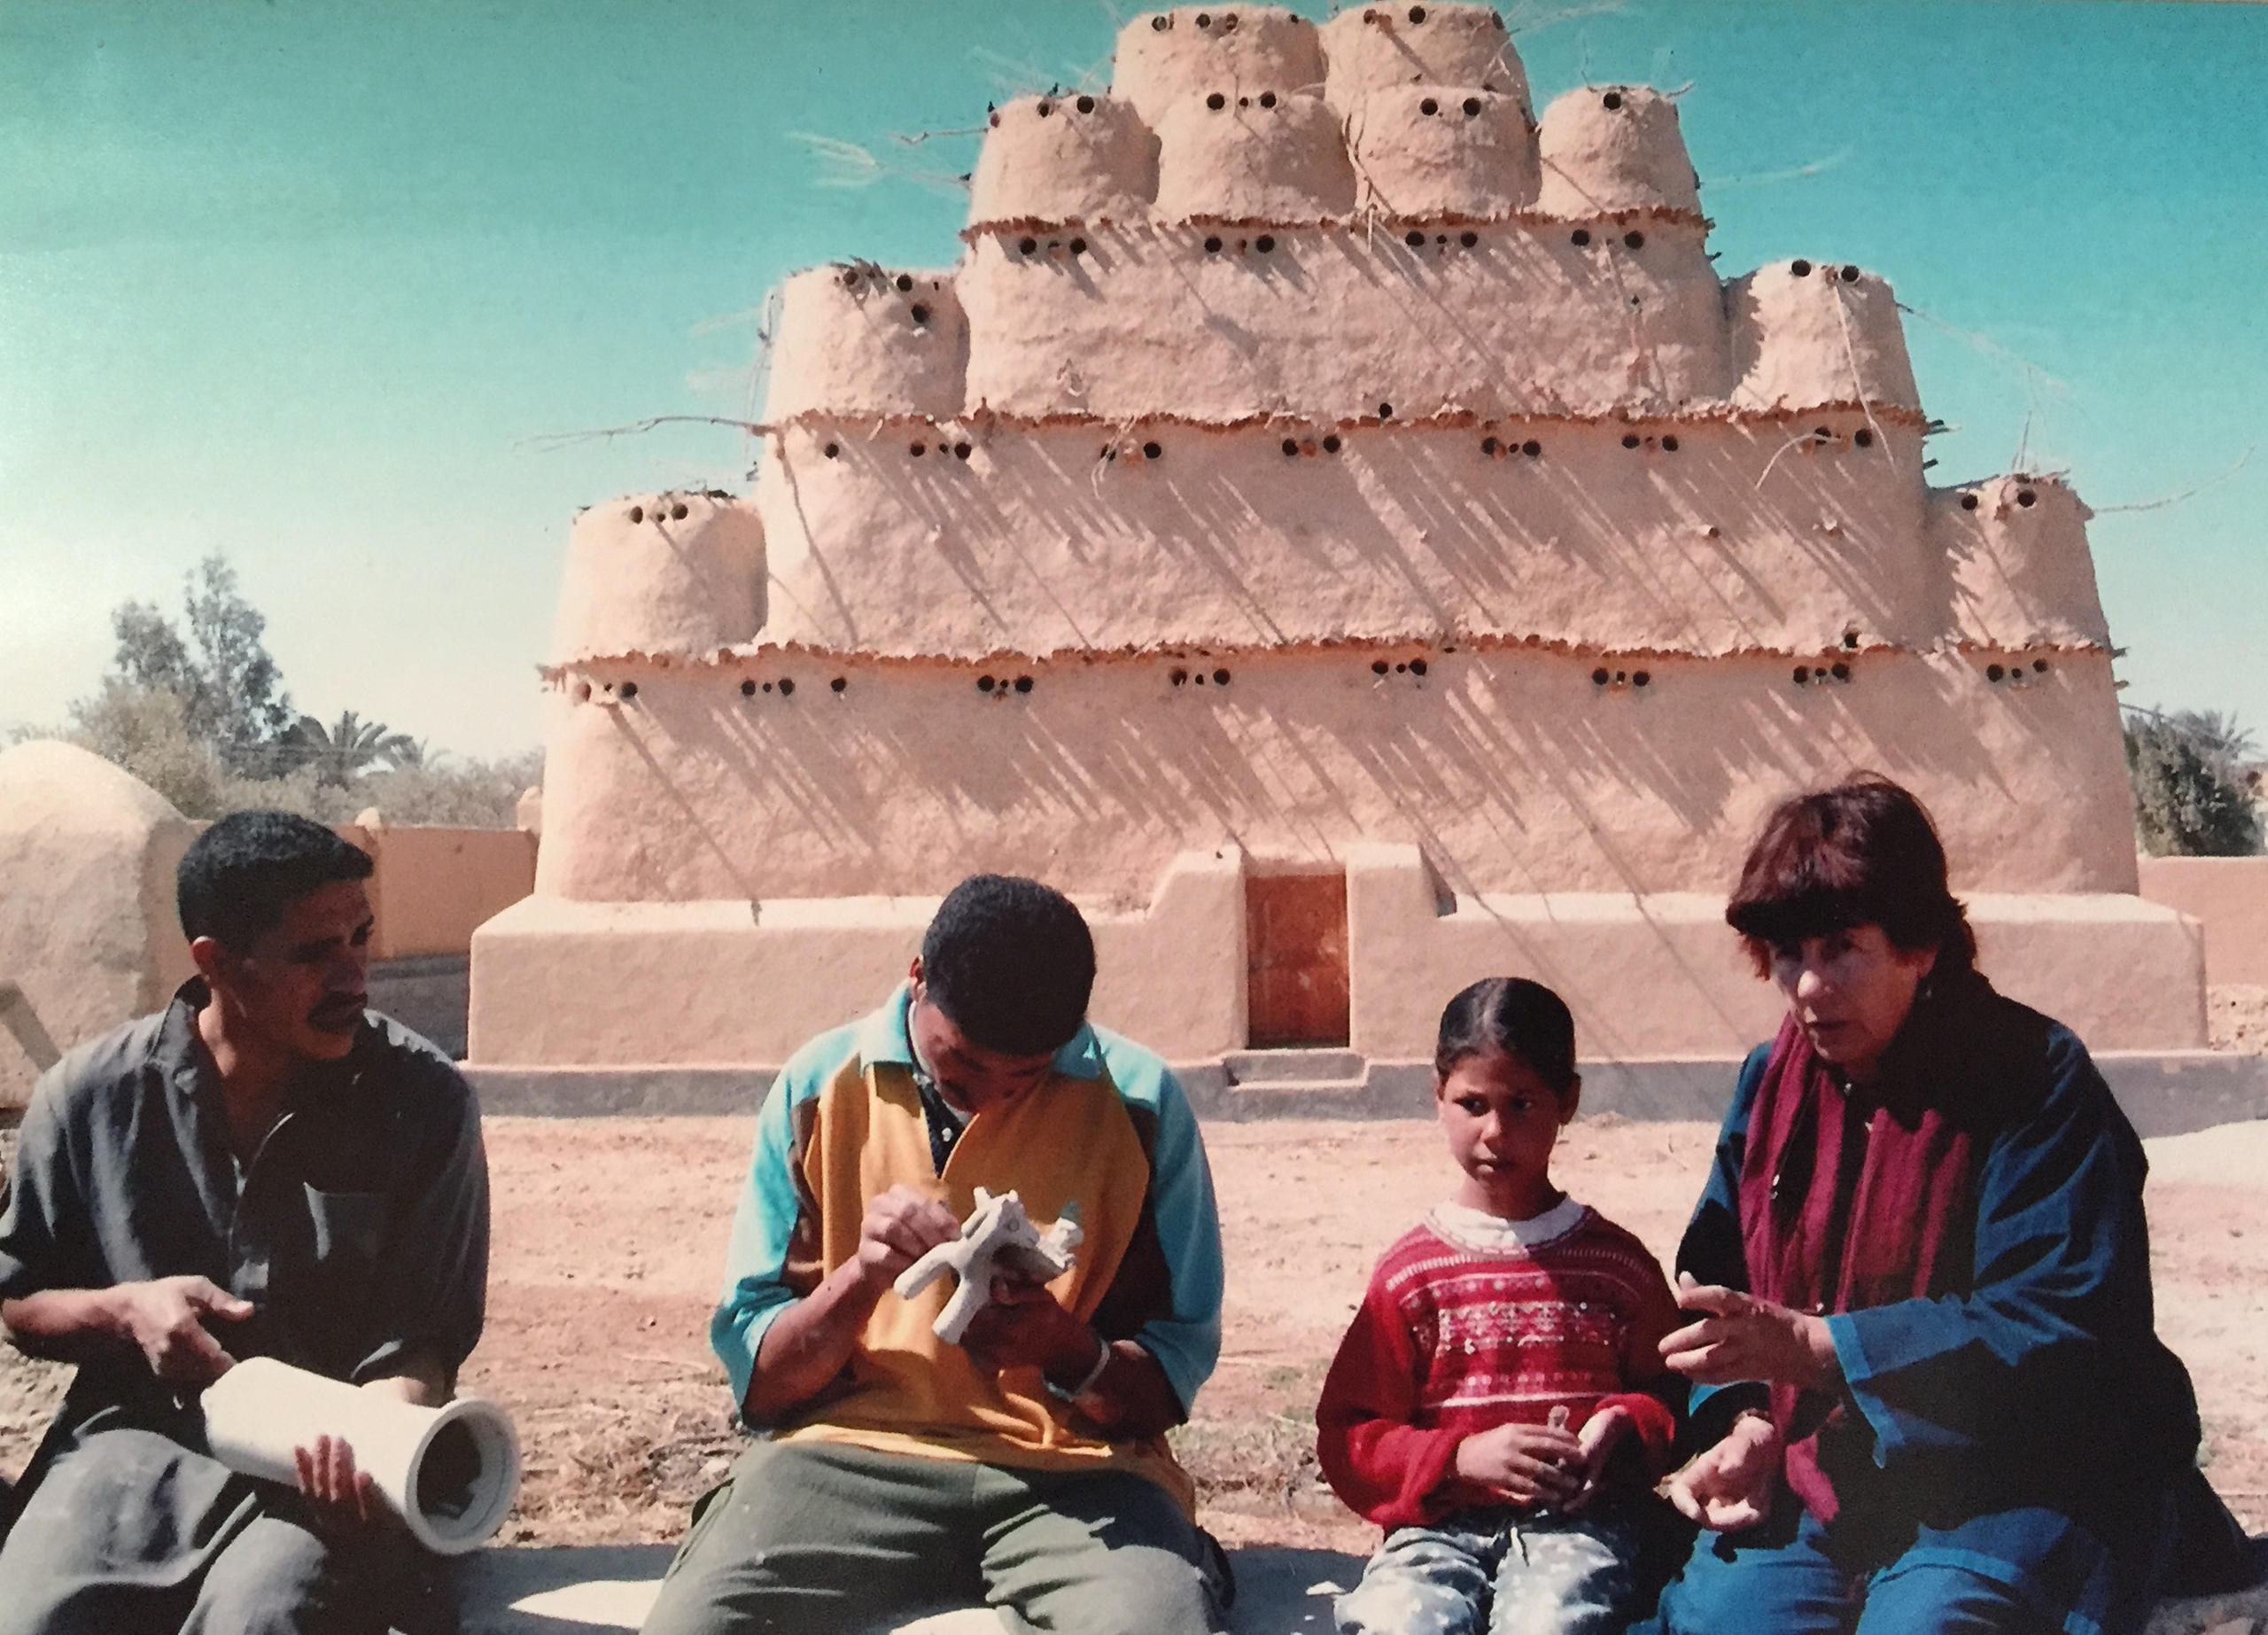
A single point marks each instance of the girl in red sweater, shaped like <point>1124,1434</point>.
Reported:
<point>1493,1405</point>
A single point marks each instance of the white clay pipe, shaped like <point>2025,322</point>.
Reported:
<point>449,1473</point>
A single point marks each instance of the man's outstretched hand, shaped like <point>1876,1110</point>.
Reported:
<point>166,1319</point>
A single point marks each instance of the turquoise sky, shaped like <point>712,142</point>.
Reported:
<point>312,282</point>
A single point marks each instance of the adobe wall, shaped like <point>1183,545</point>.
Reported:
<point>2229,897</point>
<point>87,926</point>
<point>1707,537</point>
<point>432,886</point>
<point>749,983</point>
<point>1662,975</point>
<point>1524,316</point>
<point>1649,977</point>
<point>670,574</point>
<point>1514,768</point>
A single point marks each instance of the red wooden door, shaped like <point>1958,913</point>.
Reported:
<point>1295,942</point>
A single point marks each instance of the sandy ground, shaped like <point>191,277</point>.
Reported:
<point>609,1237</point>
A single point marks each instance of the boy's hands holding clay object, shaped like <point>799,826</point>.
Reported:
<point>1024,1325</point>
<point>900,1226</point>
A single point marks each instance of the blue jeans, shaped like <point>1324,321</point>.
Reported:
<point>1504,1571</point>
<point>2012,1572</point>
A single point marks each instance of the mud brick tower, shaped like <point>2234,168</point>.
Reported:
<point>1341,528</point>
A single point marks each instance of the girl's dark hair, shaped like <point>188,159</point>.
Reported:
<point>1519,1017</point>
<point>1864,852</point>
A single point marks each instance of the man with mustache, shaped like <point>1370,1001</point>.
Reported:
<point>264,1169</point>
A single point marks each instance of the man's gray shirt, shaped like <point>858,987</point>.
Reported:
<point>359,1230</point>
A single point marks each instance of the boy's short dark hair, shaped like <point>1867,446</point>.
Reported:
<point>1523,1019</point>
<point>1010,961</point>
<point>240,875</point>
<point>1864,852</point>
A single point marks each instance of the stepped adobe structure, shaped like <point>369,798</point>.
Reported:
<point>1340,526</point>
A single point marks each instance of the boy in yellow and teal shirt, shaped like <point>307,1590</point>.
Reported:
<point>1026,1466</point>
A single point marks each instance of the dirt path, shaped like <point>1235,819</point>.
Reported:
<point>609,1240</point>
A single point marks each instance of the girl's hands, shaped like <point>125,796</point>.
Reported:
<point>1527,1464</point>
<point>1595,1444</point>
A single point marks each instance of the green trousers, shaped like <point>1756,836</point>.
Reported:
<point>815,1538</point>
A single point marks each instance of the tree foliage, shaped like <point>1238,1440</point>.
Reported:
<point>2192,795</point>
<point>231,692</point>
<point>146,730</point>
<point>342,752</point>
<point>203,719</point>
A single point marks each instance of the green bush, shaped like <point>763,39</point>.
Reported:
<point>2192,795</point>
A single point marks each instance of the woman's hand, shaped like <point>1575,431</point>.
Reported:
<point>1729,1486</point>
<point>1023,1324</point>
<point>1745,1338</point>
<point>1527,1464</point>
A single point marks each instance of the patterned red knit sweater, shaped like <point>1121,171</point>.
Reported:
<point>1453,1337</point>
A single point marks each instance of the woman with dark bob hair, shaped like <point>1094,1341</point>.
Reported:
<point>1930,1395</point>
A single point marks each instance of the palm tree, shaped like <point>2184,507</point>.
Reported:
<point>341,752</point>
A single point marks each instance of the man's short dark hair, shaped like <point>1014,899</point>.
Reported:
<point>240,875</point>
<point>1010,961</point>
<point>1864,852</point>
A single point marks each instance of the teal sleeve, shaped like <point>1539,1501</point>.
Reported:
<point>756,1290</point>
<point>1187,1343</point>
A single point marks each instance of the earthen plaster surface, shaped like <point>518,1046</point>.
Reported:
<point>432,887</point>
<point>1376,48</point>
<point>661,574</point>
<point>1657,975</point>
<point>1611,148</point>
<point>1220,326</point>
<point>2017,550</point>
<point>87,928</point>
<point>1803,334</point>
<point>2229,898</point>
<point>1649,977</point>
<point>1167,57</point>
<point>862,338</point>
<point>1081,159</point>
<point>563,983</point>
<point>1443,151</point>
<point>1703,537</point>
<point>1513,768</point>
<point>1272,159</point>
